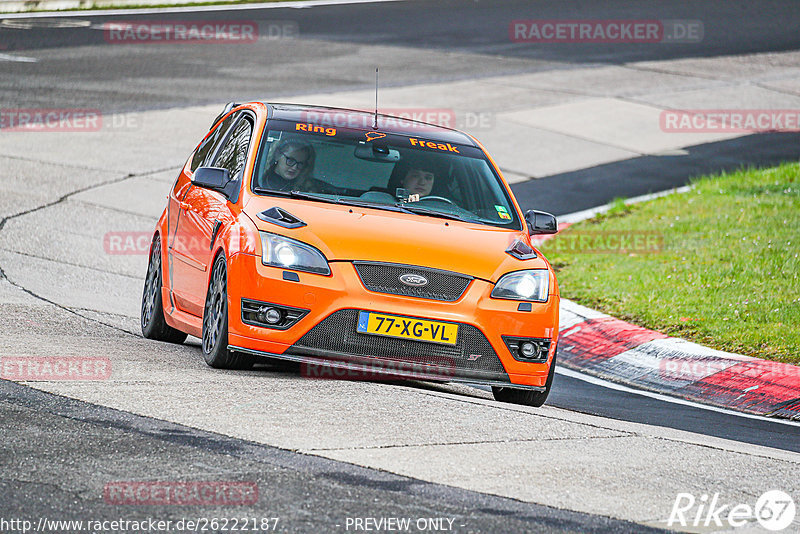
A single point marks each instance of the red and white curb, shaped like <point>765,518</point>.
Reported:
<point>597,344</point>
<point>603,346</point>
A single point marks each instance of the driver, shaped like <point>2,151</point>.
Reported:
<point>416,175</point>
<point>419,182</point>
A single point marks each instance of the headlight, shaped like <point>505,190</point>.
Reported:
<point>533,285</point>
<point>280,251</point>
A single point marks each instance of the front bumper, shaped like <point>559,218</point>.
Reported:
<point>327,333</point>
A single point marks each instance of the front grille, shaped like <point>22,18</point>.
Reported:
<point>336,337</point>
<point>385,278</point>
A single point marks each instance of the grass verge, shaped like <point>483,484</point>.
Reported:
<point>718,265</point>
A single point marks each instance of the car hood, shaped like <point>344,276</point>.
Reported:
<point>354,233</point>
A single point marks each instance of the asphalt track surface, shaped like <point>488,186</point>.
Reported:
<point>413,42</point>
<point>306,493</point>
<point>85,71</point>
<point>574,394</point>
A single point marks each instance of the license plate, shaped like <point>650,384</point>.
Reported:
<point>407,328</point>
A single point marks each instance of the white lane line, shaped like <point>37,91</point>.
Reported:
<point>28,24</point>
<point>579,216</point>
<point>18,59</point>
<point>190,9</point>
<point>666,398</point>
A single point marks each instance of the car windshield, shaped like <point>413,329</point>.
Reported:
<point>421,175</point>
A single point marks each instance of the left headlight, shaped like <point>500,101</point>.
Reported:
<point>279,251</point>
<point>532,285</point>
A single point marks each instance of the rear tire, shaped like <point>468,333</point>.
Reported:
<point>154,326</point>
<point>215,323</point>
<point>528,397</point>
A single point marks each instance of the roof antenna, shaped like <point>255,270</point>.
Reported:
<point>375,124</point>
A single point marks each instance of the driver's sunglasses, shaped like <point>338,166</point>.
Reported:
<point>291,162</point>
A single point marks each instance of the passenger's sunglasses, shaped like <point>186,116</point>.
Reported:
<point>291,162</point>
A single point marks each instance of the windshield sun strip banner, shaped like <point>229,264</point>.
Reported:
<point>396,140</point>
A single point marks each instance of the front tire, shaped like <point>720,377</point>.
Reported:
<point>154,326</point>
<point>528,397</point>
<point>215,323</point>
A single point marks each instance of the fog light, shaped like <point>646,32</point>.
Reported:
<point>273,316</point>
<point>528,350</point>
<point>269,315</point>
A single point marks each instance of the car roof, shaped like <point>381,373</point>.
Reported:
<point>364,120</point>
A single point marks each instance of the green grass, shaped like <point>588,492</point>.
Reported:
<point>617,208</point>
<point>727,274</point>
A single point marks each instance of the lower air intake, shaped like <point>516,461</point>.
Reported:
<point>336,337</point>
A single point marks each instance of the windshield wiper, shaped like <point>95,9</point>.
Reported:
<point>389,207</point>
<point>338,200</point>
<point>365,204</point>
<point>433,213</point>
<point>295,194</point>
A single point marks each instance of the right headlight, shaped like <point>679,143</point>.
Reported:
<point>280,251</point>
<point>532,285</point>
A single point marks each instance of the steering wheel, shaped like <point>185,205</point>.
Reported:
<point>434,197</point>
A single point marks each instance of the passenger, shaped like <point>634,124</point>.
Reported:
<point>291,163</point>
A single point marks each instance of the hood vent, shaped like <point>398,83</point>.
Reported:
<point>520,250</point>
<point>281,217</point>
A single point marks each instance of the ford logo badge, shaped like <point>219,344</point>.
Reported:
<point>413,280</point>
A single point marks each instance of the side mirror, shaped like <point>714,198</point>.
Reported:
<point>540,222</point>
<point>211,177</point>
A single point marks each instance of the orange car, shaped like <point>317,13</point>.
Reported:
<point>353,241</point>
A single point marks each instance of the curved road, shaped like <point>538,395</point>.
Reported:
<point>61,293</point>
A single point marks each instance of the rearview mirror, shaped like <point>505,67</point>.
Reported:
<point>540,222</point>
<point>378,153</point>
<point>211,177</point>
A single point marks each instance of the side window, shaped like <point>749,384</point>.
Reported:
<point>210,143</point>
<point>233,154</point>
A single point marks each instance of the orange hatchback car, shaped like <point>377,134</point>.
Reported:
<point>356,242</point>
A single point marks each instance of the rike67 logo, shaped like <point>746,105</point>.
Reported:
<point>774,511</point>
